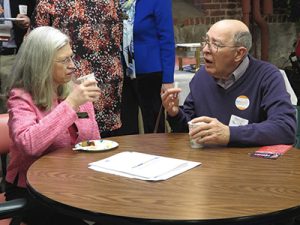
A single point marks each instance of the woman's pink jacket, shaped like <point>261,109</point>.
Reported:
<point>35,132</point>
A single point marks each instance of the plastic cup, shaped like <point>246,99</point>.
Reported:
<point>90,76</point>
<point>193,142</point>
<point>23,9</point>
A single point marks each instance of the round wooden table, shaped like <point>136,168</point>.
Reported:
<point>230,187</point>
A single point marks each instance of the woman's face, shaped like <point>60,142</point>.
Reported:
<point>63,65</point>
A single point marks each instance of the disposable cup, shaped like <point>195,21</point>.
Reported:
<point>193,142</point>
<point>23,9</point>
<point>90,76</point>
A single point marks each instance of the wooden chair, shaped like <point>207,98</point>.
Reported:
<point>10,211</point>
<point>4,147</point>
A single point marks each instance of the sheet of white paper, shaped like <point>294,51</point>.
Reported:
<point>142,166</point>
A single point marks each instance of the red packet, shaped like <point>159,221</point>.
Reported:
<point>274,149</point>
<point>271,152</point>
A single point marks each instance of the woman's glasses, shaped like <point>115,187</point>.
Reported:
<point>66,61</point>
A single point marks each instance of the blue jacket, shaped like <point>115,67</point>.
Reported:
<point>154,45</point>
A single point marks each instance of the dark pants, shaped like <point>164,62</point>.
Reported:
<point>143,92</point>
<point>36,213</point>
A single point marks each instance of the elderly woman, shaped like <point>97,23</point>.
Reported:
<point>44,106</point>
<point>95,30</point>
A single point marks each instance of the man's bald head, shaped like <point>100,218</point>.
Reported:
<point>226,46</point>
<point>236,25</point>
<point>235,30</point>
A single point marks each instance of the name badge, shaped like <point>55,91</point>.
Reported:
<point>236,121</point>
<point>82,115</point>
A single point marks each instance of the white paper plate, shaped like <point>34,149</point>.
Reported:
<point>98,145</point>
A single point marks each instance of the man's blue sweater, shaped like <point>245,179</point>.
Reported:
<point>268,107</point>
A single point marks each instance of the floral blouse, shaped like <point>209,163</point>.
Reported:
<point>95,30</point>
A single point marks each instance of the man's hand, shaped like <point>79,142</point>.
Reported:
<point>212,131</point>
<point>24,21</point>
<point>167,86</point>
<point>170,101</point>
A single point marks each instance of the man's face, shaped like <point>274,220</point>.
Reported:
<point>219,53</point>
<point>63,67</point>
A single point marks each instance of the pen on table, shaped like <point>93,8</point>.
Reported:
<point>143,163</point>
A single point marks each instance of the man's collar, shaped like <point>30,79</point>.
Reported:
<point>237,74</point>
<point>241,69</point>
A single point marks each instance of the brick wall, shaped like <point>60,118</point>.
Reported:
<point>192,19</point>
<point>211,11</point>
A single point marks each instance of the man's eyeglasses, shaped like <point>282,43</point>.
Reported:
<point>213,46</point>
<point>66,61</point>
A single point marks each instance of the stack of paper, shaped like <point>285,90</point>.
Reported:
<point>142,166</point>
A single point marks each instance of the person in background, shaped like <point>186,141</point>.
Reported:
<point>241,100</point>
<point>95,29</point>
<point>149,61</point>
<point>9,47</point>
<point>44,106</point>
<point>20,26</point>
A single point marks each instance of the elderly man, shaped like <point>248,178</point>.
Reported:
<point>241,101</point>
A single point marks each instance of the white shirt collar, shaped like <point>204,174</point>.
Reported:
<point>237,74</point>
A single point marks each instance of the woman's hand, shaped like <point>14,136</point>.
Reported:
<point>87,91</point>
